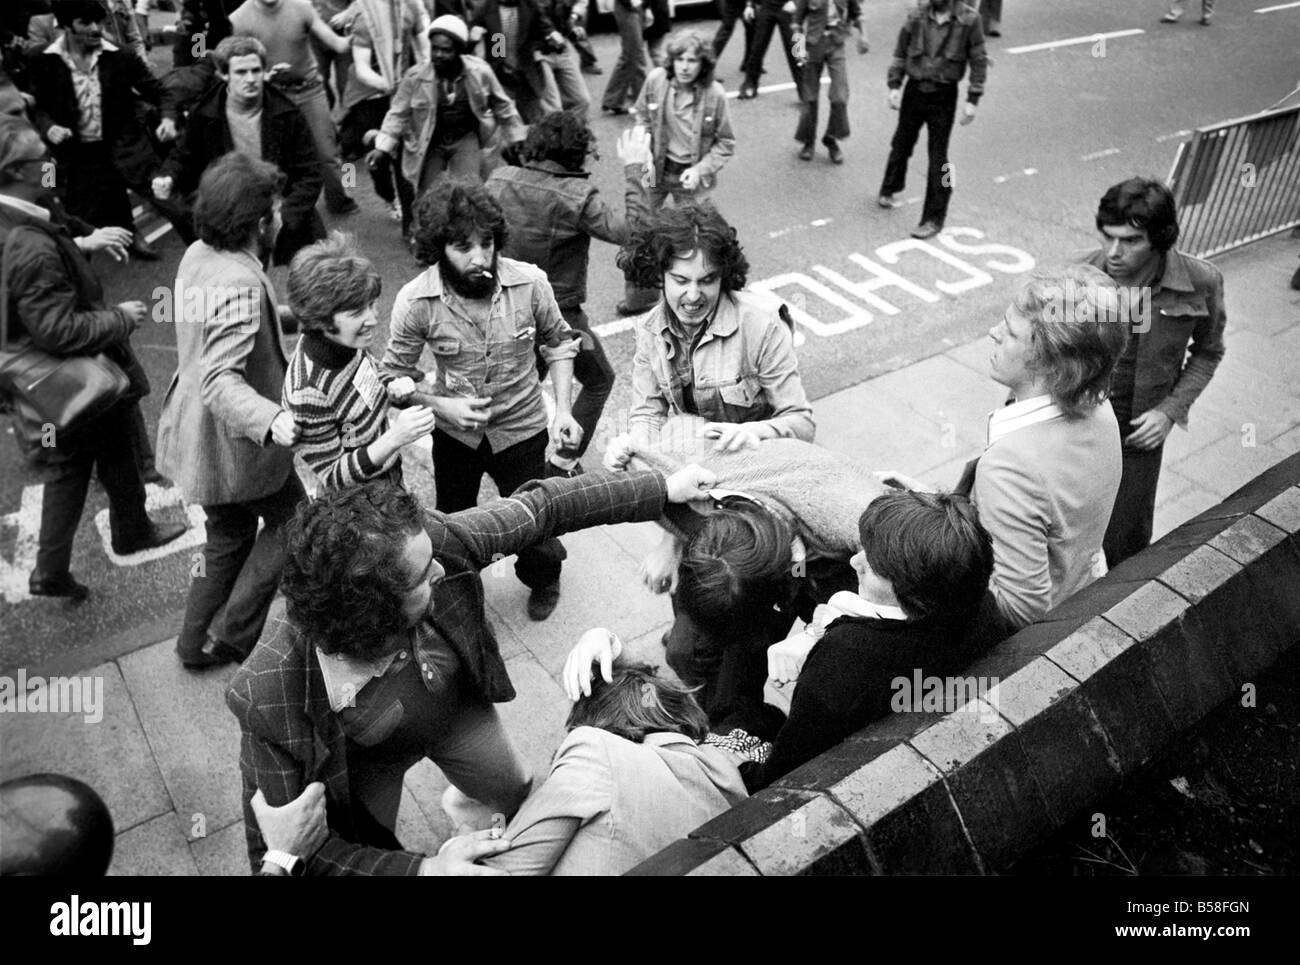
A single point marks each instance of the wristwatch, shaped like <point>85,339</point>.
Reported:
<point>290,864</point>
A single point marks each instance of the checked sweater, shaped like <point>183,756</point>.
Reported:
<point>335,396</point>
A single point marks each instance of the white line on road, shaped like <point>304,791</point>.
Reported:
<point>1280,6</point>
<point>1070,42</point>
<point>773,88</point>
<point>1170,137</point>
<point>1097,155</point>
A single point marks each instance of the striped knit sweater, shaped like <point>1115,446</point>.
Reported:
<point>323,391</point>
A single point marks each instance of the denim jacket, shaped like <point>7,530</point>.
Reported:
<point>744,368</point>
<point>965,44</point>
<point>413,114</point>
<point>1177,356</point>
<point>713,143</point>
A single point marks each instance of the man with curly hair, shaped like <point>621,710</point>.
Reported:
<point>386,657</point>
<point>486,319</point>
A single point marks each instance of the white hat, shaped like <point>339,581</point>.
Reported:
<point>452,26</point>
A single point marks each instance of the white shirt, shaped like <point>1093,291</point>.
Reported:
<point>1020,415</point>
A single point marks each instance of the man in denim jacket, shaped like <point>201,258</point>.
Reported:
<point>1177,344</point>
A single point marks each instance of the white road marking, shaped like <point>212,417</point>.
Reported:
<point>1097,155</point>
<point>1280,6</point>
<point>773,88</point>
<point>1170,137</point>
<point>157,497</point>
<point>1072,41</point>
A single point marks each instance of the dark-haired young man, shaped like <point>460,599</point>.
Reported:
<point>1174,350</point>
<point>386,657</point>
<point>223,436</point>
<point>554,211</point>
<point>485,318</point>
<point>922,607</point>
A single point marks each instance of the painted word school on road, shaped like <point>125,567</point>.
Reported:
<point>925,272</point>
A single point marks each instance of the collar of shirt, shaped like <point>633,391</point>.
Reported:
<point>848,602</point>
<point>1021,415</point>
<point>1174,274</point>
<point>940,18</point>
<point>345,676</point>
<point>26,207</point>
<point>60,49</point>
<point>725,320</point>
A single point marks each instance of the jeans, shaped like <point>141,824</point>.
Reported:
<point>591,367</point>
<point>458,471</point>
<point>567,76</point>
<point>1129,530</point>
<point>240,571</point>
<point>770,17</point>
<point>315,107</point>
<point>837,126</point>
<point>935,112</point>
<point>460,159</point>
<point>105,447</point>
<point>628,75</point>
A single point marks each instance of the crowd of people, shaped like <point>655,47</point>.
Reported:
<point>386,655</point>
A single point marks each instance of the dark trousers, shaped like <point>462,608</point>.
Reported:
<point>629,73</point>
<point>771,17</point>
<point>591,367</point>
<point>729,11</point>
<point>239,571</point>
<point>1129,530</point>
<point>935,112</point>
<point>837,125</point>
<point>105,447</point>
<point>93,188</point>
<point>458,471</point>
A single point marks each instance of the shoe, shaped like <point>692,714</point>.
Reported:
<point>346,207</point>
<point>886,201</point>
<point>542,601</point>
<point>806,153</point>
<point>142,249</point>
<point>927,229</point>
<point>213,654</point>
<point>1205,21</point>
<point>833,148</point>
<point>748,91</point>
<point>624,309</point>
<point>158,534</point>
<point>994,32</point>
<point>63,585</point>
<point>617,111</point>
<point>593,69</point>
<point>1295,280</point>
<point>1169,18</point>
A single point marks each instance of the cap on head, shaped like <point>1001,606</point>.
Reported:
<point>451,26</point>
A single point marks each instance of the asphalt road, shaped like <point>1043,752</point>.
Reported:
<point>1057,126</point>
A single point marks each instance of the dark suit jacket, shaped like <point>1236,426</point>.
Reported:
<point>534,27</point>
<point>286,143</point>
<point>123,79</point>
<point>292,738</point>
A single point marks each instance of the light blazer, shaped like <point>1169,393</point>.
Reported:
<point>1045,494</point>
<point>214,432</point>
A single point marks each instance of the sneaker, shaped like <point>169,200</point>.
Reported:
<point>543,600</point>
<point>1169,18</point>
<point>887,201</point>
<point>926,229</point>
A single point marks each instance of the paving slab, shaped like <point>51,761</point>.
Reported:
<point>194,737</point>
<point>223,852</point>
<point>1227,465</point>
<point>155,848</point>
<point>111,754</point>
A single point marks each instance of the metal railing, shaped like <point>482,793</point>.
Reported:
<point>1238,181</point>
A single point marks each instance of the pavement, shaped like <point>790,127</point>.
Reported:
<point>164,756</point>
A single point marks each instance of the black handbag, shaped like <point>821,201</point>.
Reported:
<point>59,391</point>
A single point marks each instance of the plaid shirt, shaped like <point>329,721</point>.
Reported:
<point>291,737</point>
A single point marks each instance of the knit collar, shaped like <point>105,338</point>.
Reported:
<point>327,353</point>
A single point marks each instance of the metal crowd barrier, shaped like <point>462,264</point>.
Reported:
<point>1238,181</point>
